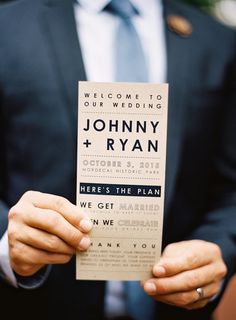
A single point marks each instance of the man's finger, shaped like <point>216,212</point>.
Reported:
<point>35,256</point>
<point>59,204</point>
<point>185,298</point>
<point>181,304</point>
<point>192,257</point>
<point>43,240</point>
<point>53,223</point>
<point>27,260</point>
<point>185,281</point>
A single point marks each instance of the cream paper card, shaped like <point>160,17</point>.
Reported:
<point>121,177</point>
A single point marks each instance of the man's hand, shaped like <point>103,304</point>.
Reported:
<point>45,229</point>
<point>184,267</point>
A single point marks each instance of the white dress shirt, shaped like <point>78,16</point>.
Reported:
<point>96,32</point>
<point>97,29</point>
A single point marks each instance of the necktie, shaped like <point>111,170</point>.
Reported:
<point>131,67</point>
<point>138,304</point>
<point>129,56</point>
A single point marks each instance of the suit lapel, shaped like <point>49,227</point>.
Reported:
<point>60,31</point>
<point>177,69</point>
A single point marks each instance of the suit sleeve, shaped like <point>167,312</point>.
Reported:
<point>3,217</point>
<point>219,223</point>
<point>3,206</point>
<point>4,259</point>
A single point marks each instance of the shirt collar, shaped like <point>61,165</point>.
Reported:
<point>144,7</point>
<point>93,5</point>
<point>98,5</point>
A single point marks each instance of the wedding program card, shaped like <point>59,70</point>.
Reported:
<point>121,177</point>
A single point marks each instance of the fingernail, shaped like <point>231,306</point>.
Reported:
<point>159,271</point>
<point>150,287</point>
<point>86,225</point>
<point>84,243</point>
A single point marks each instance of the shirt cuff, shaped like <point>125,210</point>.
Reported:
<point>5,266</point>
<point>35,281</point>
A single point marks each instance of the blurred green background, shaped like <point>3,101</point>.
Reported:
<point>223,10</point>
<point>205,4</point>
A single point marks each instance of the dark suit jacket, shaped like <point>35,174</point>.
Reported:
<point>40,64</point>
